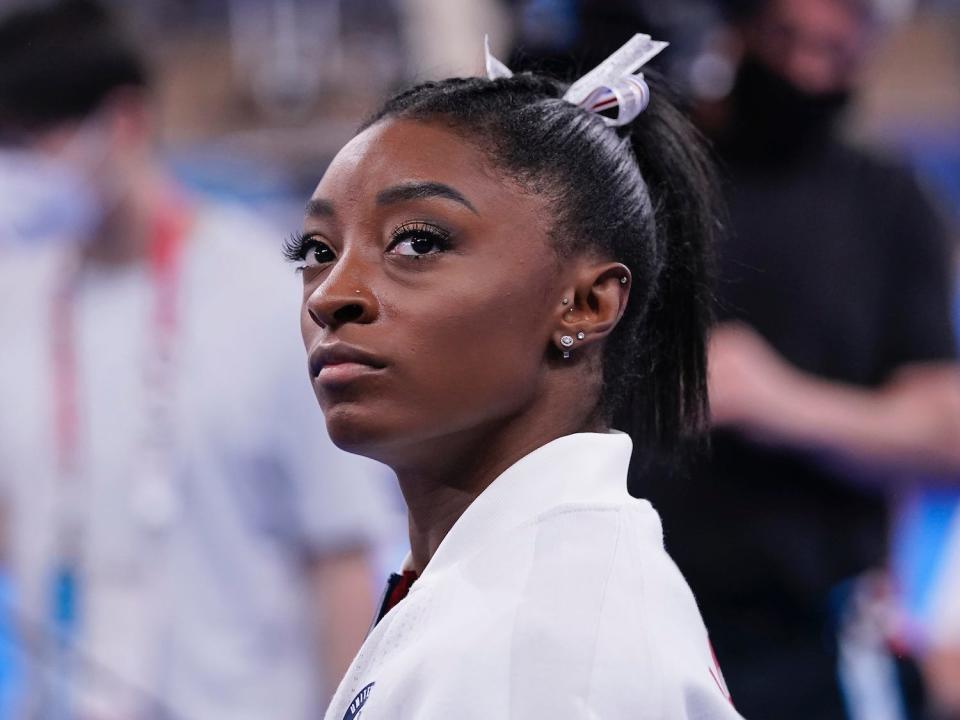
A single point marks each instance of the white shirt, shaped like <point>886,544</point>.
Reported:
<point>211,617</point>
<point>551,597</point>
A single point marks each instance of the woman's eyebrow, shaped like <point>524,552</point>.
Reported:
<point>419,190</point>
<point>318,207</point>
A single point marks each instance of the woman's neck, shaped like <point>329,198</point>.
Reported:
<point>455,470</point>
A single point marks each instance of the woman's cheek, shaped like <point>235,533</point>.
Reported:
<point>484,371</point>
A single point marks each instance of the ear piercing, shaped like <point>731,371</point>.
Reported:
<point>567,342</point>
<point>565,301</point>
<point>623,279</point>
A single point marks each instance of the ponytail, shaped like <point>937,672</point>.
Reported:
<point>667,402</point>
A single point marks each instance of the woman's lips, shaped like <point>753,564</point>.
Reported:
<point>341,373</point>
<point>338,363</point>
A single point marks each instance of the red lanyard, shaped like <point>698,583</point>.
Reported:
<point>167,234</point>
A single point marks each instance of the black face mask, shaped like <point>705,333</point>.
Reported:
<point>773,121</point>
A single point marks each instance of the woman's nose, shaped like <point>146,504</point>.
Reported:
<point>342,298</point>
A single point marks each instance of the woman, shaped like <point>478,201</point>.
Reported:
<point>491,275</point>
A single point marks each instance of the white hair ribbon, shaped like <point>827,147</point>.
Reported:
<point>615,82</point>
<point>495,68</point>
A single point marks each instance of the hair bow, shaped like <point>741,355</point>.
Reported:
<point>615,82</point>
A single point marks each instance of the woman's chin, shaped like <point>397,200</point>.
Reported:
<point>355,429</point>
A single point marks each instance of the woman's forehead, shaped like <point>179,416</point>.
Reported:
<point>396,152</point>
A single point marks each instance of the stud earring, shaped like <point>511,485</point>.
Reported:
<point>566,341</point>
<point>581,335</point>
<point>565,302</point>
<point>623,280</point>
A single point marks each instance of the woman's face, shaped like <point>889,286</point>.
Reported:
<point>430,292</point>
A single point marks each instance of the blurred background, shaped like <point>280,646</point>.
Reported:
<point>239,107</point>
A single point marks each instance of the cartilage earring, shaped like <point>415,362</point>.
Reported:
<point>623,280</point>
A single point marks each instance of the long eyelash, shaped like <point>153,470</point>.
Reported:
<point>295,246</point>
<point>416,227</point>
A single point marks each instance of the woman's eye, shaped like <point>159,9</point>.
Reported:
<point>418,245</point>
<point>307,251</point>
<point>417,239</point>
<point>317,253</point>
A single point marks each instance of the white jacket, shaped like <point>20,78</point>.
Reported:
<point>551,597</point>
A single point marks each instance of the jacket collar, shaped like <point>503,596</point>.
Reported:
<point>579,468</point>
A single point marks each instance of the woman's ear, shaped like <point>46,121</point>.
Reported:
<point>595,302</point>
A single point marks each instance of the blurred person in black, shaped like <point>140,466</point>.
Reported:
<point>832,368</point>
<point>183,538</point>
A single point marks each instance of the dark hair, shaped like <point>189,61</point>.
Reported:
<point>643,195</point>
<point>59,62</point>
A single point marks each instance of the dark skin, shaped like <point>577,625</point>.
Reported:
<point>433,279</point>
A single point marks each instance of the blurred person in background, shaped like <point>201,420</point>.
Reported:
<point>833,369</point>
<point>925,564</point>
<point>183,538</point>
